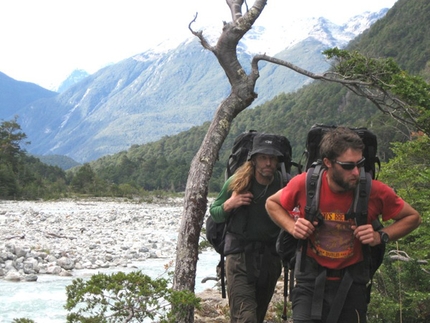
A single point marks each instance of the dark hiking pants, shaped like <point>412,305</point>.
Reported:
<point>249,301</point>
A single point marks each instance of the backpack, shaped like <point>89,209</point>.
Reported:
<point>317,131</point>
<point>242,146</point>
<point>286,243</point>
<point>372,165</point>
<point>358,209</point>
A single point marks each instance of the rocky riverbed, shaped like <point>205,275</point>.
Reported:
<point>65,236</point>
<point>58,237</point>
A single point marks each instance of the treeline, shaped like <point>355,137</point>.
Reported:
<point>164,164</point>
<point>157,166</point>
<point>25,177</point>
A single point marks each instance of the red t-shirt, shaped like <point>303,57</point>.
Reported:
<point>333,244</point>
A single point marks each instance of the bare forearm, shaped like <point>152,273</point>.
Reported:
<point>279,215</point>
<point>403,226</point>
<point>404,223</point>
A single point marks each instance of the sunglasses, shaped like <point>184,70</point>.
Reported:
<point>351,165</point>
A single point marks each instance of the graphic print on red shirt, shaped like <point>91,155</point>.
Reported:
<point>334,245</point>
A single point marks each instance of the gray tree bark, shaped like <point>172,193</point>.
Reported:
<point>195,201</point>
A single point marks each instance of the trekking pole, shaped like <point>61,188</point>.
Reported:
<point>284,313</point>
<point>223,294</point>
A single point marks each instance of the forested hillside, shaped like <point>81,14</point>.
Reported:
<point>403,35</point>
<point>164,164</point>
<point>23,176</point>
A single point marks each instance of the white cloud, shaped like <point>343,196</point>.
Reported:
<point>44,41</point>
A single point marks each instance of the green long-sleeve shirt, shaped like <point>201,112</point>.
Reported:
<point>251,221</point>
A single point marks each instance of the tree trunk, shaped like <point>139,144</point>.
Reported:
<point>195,200</point>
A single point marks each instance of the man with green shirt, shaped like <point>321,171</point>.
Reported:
<point>252,264</point>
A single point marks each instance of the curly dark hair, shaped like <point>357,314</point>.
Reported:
<point>338,140</point>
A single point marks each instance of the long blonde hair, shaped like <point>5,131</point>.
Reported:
<point>242,179</point>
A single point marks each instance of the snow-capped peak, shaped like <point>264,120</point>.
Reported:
<point>273,39</point>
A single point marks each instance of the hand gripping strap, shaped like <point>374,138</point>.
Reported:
<point>313,185</point>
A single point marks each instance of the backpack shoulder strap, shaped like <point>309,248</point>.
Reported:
<point>313,189</point>
<point>313,186</point>
<point>284,176</point>
<point>361,198</point>
<point>361,195</point>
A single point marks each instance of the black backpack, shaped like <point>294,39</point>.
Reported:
<point>242,146</point>
<point>372,166</point>
<point>317,131</point>
<point>359,207</point>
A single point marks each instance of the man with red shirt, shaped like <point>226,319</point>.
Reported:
<point>334,246</point>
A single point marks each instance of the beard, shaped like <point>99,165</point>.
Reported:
<point>345,185</point>
<point>266,171</point>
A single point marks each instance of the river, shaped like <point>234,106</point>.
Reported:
<point>43,301</point>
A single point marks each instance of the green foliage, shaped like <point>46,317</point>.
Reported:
<point>124,297</point>
<point>161,165</point>
<point>355,66</point>
<point>281,311</point>
<point>23,176</point>
<point>38,180</point>
<point>22,320</point>
<point>11,137</point>
<point>8,182</point>
<point>85,180</point>
<point>401,292</point>
<point>409,171</point>
<point>400,35</point>
<point>384,76</point>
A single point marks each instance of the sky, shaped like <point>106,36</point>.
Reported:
<point>44,41</point>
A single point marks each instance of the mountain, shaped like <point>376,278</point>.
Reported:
<point>15,94</point>
<point>76,76</point>
<point>410,45</point>
<point>164,164</point>
<point>63,162</point>
<point>165,91</point>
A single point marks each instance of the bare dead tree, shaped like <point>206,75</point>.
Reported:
<point>235,8</point>
<point>241,96</point>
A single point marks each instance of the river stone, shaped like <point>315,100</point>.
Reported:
<point>66,263</point>
<point>54,237</point>
<point>13,276</point>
